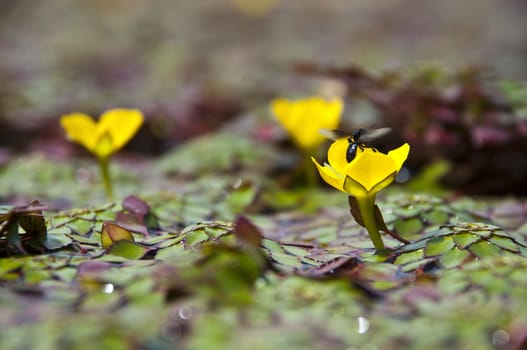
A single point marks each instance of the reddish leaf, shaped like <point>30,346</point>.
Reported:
<point>136,205</point>
<point>131,222</point>
<point>354,210</point>
<point>92,268</point>
<point>112,233</point>
<point>247,232</point>
<point>136,216</point>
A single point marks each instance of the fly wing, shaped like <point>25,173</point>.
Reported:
<point>374,134</point>
<point>333,134</point>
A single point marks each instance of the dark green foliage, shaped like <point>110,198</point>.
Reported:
<point>28,218</point>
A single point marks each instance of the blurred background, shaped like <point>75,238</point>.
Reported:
<point>192,66</point>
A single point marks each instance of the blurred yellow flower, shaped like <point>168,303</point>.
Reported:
<point>114,129</point>
<point>103,138</point>
<point>303,118</point>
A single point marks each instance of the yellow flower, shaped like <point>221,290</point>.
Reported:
<point>367,174</point>
<point>114,129</point>
<point>303,118</point>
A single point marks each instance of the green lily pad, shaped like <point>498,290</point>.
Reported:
<point>412,266</point>
<point>7,265</point>
<point>81,227</point>
<point>193,238</point>
<point>464,239</point>
<point>409,228</point>
<point>438,246</point>
<point>272,246</point>
<point>408,211</point>
<point>505,243</point>
<point>454,257</point>
<point>286,260</point>
<point>127,249</point>
<point>405,258</point>
<point>436,217</point>
<point>482,233</point>
<point>419,244</point>
<point>297,251</point>
<point>56,241</point>
<point>483,249</point>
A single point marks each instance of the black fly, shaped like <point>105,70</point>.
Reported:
<point>358,139</point>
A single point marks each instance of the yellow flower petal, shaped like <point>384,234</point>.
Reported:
<point>337,154</point>
<point>354,188</point>
<point>121,125</point>
<point>382,184</point>
<point>329,175</point>
<point>369,168</point>
<point>80,128</point>
<point>368,173</point>
<point>104,146</point>
<point>399,155</point>
<point>303,118</point>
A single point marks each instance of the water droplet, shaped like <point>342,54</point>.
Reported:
<point>500,337</point>
<point>364,325</point>
<point>237,184</point>
<point>108,288</point>
<point>185,312</point>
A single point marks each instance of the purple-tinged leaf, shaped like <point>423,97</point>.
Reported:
<point>112,233</point>
<point>247,232</point>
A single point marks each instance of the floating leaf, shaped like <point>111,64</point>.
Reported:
<point>409,257</point>
<point>438,246</point>
<point>196,237</point>
<point>81,227</point>
<point>436,217</point>
<point>127,249</point>
<point>454,257</point>
<point>29,218</point>
<point>56,241</point>
<point>136,205</point>
<point>286,260</point>
<point>464,239</point>
<point>408,228</point>
<point>112,233</point>
<point>505,243</point>
<point>247,232</point>
<point>484,249</point>
<point>136,216</point>
<point>240,197</point>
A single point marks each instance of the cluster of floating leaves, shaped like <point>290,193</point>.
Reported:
<point>164,282</point>
<point>173,269</point>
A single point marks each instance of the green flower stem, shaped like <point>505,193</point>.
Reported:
<point>367,211</point>
<point>105,172</point>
